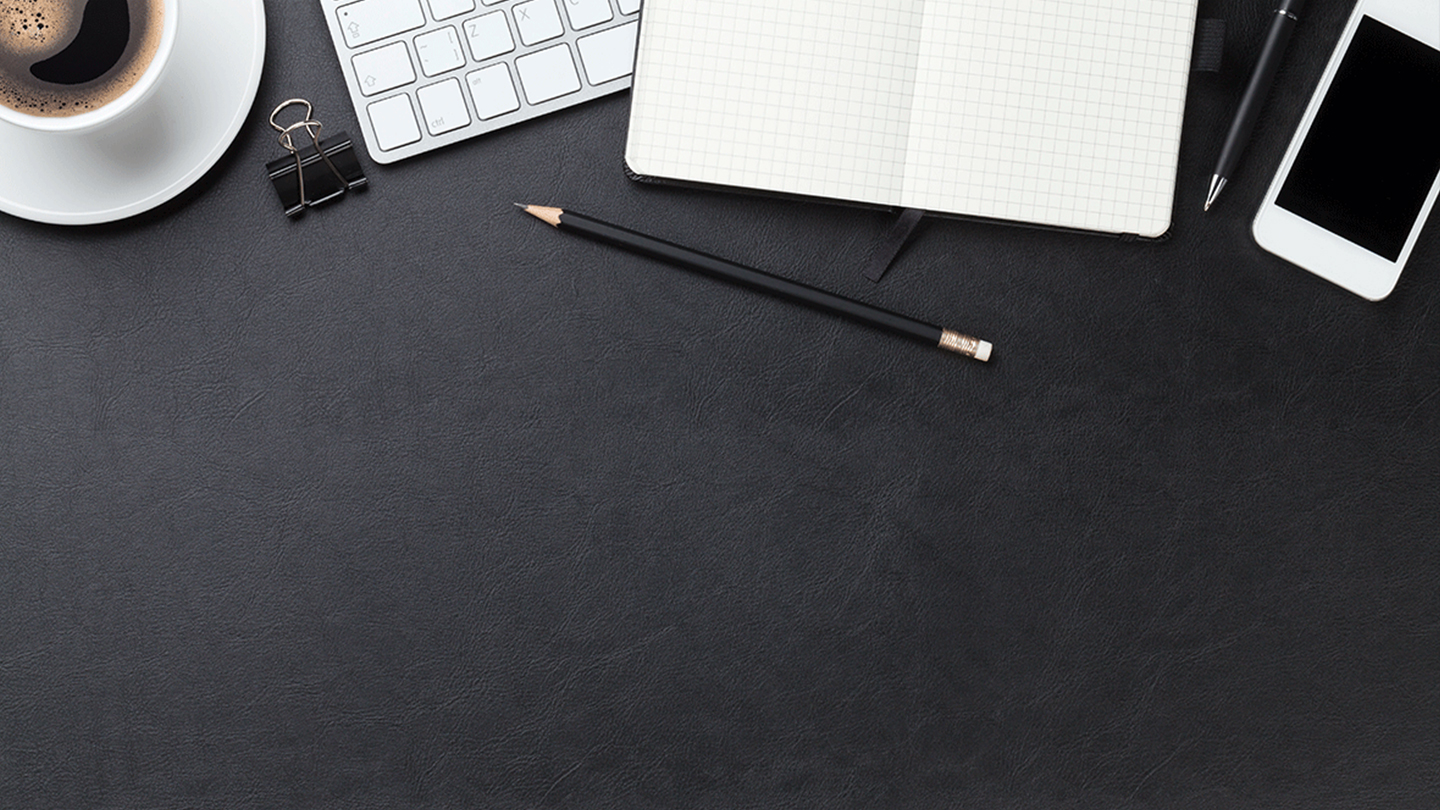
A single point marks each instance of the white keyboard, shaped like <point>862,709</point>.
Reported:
<point>427,73</point>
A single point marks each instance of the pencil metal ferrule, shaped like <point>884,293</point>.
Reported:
<point>952,341</point>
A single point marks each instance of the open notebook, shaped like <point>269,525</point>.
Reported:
<point>1057,112</point>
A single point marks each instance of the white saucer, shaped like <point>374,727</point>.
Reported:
<point>158,149</point>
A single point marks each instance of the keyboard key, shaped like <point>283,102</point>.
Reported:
<point>587,13</point>
<point>445,9</point>
<point>439,51</point>
<point>384,69</point>
<point>609,54</point>
<point>538,21</point>
<point>444,107</point>
<point>370,20</point>
<point>629,6</point>
<point>548,74</point>
<point>393,120</point>
<point>489,36</point>
<point>493,91</point>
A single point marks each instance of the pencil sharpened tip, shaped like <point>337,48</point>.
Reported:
<point>543,213</point>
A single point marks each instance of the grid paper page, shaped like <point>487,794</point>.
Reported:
<point>800,96</point>
<point>1058,112</point>
<point>1062,112</point>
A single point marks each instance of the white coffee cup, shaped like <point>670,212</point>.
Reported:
<point>120,105</point>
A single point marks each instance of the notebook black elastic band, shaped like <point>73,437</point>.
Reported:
<point>888,248</point>
<point>1209,46</point>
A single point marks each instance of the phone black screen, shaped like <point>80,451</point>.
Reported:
<point>1373,150</point>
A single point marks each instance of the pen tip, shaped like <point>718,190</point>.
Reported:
<point>1216,183</point>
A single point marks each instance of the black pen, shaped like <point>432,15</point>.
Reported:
<point>1246,114</point>
<point>762,281</point>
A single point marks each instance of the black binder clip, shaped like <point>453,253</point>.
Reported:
<point>315,174</point>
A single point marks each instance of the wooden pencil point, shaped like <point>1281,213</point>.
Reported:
<point>543,213</point>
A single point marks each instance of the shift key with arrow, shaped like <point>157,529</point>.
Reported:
<point>384,69</point>
<point>371,20</point>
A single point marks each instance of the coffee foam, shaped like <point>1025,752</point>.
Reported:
<point>34,30</point>
<point>37,29</point>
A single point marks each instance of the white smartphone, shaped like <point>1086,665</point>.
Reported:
<point>1363,171</point>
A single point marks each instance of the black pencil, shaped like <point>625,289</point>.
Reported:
<point>758,280</point>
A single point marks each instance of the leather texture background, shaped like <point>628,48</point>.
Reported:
<point>418,503</point>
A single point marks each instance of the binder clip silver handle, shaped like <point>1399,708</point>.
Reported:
<point>306,156</point>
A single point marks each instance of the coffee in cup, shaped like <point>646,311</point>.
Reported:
<point>66,58</point>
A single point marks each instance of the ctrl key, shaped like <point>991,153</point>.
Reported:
<point>393,120</point>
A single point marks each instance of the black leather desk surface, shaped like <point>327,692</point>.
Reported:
<point>418,503</point>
